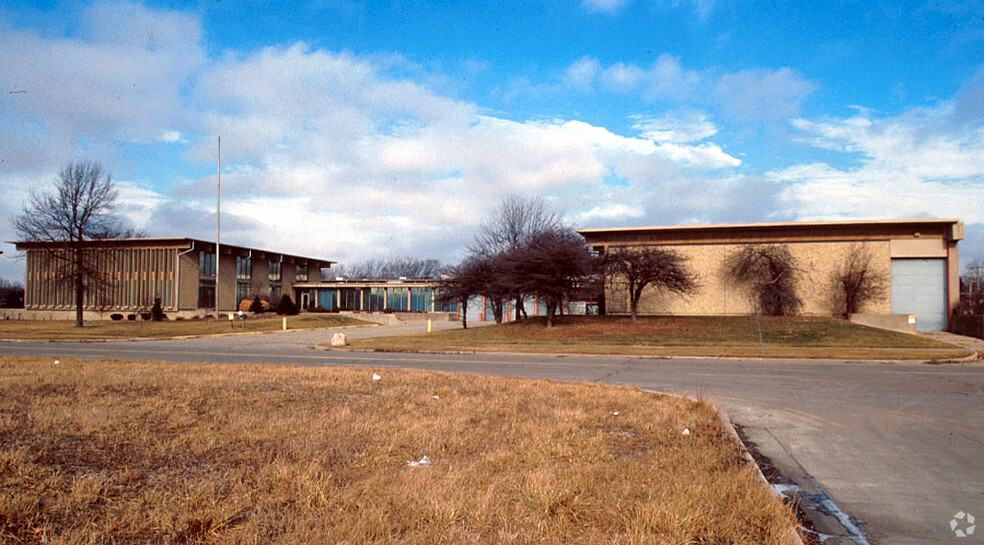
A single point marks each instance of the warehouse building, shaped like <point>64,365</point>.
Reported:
<point>183,272</point>
<point>919,257</point>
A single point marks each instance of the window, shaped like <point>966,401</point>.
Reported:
<point>243,292</point>
<point>244,268</point>
<point>302,274</point>
<point>206,294</point>
<point>206,264</point>
<point>273,271</point>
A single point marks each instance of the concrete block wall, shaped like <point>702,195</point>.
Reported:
<point>817,263</point>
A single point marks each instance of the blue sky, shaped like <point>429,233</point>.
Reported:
<point>364,129</point>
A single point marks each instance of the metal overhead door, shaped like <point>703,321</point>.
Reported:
<point>919,287</point>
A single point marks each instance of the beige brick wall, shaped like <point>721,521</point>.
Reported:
<point>817,263</point>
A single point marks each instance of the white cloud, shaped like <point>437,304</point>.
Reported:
<point>759,94</point>
<point>623,77</point>
<point>582,73</point>
<point>920,163</point>
<point>681,127</point>
<point>604,6</point>
<point>612,212</point>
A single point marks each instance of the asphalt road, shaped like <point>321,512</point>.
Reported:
<point>898,447</point>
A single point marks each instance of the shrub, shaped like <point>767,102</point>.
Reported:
<point>116,317</point>
<point>286,306</point>
<point>145,316</point>
<point>256,307</point>
<point>131,317</point>
<point>157,312</point>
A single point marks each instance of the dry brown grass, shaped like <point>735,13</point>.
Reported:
<point>724,336</point>
<point>116,452</point>
<point>65,330</point>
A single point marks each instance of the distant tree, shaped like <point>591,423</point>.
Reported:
<point>661,269</point>
<point>81,209</point>
<point>858,281</point>
<point>553,265</point>
<point>391,268</point>
<point>769,272</point>
<point>510,227</point>
<point>12,293</point>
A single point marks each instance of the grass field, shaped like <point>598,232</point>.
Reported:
<point>102,329</point>
<point>117,452</point>
<point>817,337</point>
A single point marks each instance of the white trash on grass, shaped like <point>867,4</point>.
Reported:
<point>376,376</point>
<point>686,431</point>
<point>423,462</point>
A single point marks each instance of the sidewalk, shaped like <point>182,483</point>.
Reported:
<point>970,343</point>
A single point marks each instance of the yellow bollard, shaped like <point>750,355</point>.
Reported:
<point>428,326</point>
<point>285,323</point>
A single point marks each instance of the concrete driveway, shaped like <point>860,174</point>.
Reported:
<point>883,453</point>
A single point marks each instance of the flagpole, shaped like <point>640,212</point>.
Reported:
<point>218,193</point>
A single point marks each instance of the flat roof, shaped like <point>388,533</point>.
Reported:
<point>181,242</point>
<point>788,224</point>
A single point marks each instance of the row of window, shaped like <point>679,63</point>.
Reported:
<point>402,299</point>
<point>244,273</point>
<point>244,268</point>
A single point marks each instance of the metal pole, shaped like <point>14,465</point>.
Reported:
<point>218,193</point>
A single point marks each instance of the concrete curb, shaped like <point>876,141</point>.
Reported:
<point>729,427</point>
<point>961,360</point>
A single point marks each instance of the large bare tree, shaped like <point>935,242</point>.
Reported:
<point>514,224</point>
<point>81,209</point>
<point>653,267</point>
<point>769,272</point>
<point>858,281</point>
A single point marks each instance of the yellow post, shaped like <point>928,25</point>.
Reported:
<point>428,326</point>
<point>285,323</point>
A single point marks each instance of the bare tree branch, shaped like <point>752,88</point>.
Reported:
<point>81,209</point>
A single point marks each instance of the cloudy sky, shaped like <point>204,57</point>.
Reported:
<point>356,129</point>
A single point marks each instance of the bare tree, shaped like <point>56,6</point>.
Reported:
<point>80,210</point>
<point>477,276</point>
<point>769,272</point>
<point>391,268</point>
<point>511,226</point>
<point>653,267</point>
<point>553,264</point>
<point>858,281</point>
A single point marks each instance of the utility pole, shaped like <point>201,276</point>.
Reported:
<point>218,194</point>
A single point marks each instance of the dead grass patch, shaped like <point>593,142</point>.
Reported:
<point>100,452</point>
<point>725,336</point>
<point>65,330</point>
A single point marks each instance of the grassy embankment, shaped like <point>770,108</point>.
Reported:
<point>101,330</point>
<point>161,453</point>
<point>734,336</point>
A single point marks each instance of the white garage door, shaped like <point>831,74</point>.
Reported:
<point>919,287</point>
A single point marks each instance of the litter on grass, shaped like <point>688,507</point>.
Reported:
<point>437,396</point>
<point>614,413</point>
<point>57,362</point>
<point>376,377</point>
<point>423,462</point>
<point>686,431</point>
